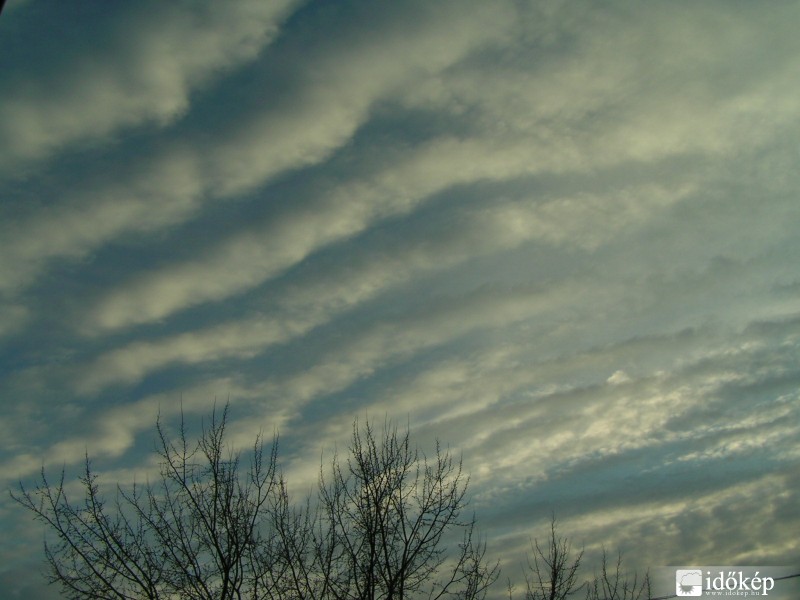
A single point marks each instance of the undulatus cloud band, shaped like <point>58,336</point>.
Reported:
<point>560,237</point>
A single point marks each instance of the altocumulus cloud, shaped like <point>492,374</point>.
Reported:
<point>560,237</point>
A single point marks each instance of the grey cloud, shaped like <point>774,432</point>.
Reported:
<point>150,59</point>
<point>169,189</point>
<point>319,297</point>
<point>559,237</point>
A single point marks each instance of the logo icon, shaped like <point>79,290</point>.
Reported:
<point>689,582</point>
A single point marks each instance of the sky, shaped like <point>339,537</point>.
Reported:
<point>560,237</point>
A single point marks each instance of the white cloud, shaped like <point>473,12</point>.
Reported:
<point>618,377</point>
<point>336,91</point>
<point>689,530</point>
<point>614,86</point>
<point>561,239</point>
<point>250,258</point>
<point>552,117</point>
<point>241,339</point>
<point>515,422</point>
<point>143,70</point>
<point>110,432</point>
<point>585,221</point>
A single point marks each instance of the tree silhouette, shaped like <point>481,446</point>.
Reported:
<point>612,583</point>
<point>388,513</point>
<point>387,523</point>
<point>553,571</point>
<point>198,532</point>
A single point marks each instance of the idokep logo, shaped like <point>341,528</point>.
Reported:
<point>689,582</point>
<point>714,581</point>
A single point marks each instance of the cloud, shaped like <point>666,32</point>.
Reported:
<point>251,149</point>
<point>514,423</point>
<point>110,432</point>
<point>241,339</point>
<point>147,62</point>
<point>699,528</point>
<point>12,318</point>
<point>654,128</point>
<point>319,296</point>
<point>350,209</point>
<point>559,237</point>
<point>574,101</point>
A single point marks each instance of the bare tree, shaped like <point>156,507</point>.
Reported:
<point>553,572</point>
<point>612,583</point>
<point>197,533</point>
<point>385,525</point>
<point>391,525</point>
